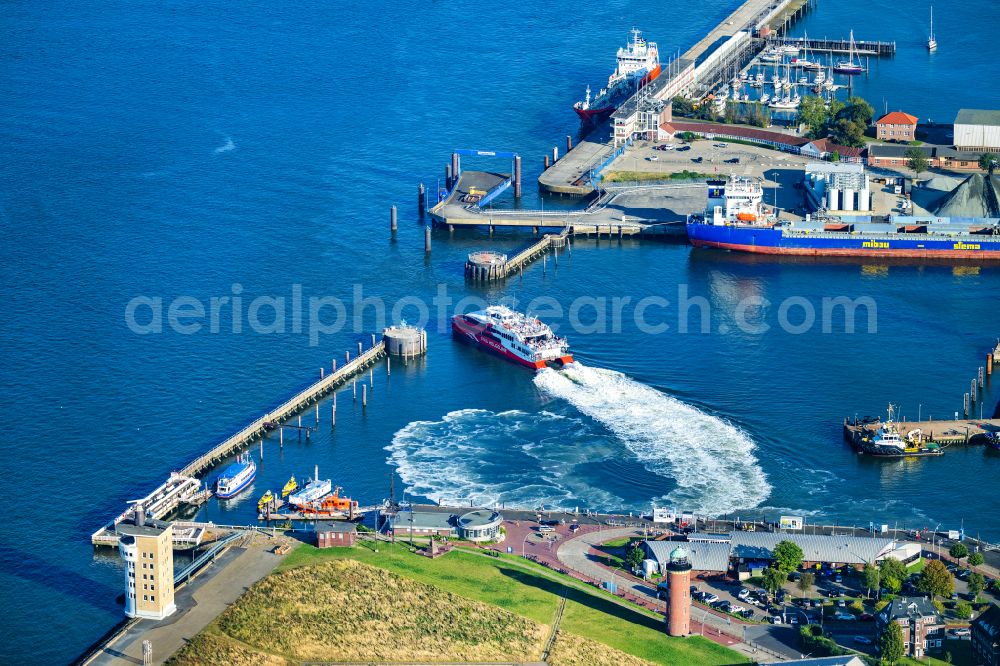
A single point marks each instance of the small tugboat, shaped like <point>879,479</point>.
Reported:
<point>290,487</point>
<point>264,500</point>
<point>236,478</point>
<point>889,443</point>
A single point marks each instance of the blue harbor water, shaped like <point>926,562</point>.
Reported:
<point>214,149</point>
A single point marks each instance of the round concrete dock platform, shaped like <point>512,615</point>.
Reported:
<point>404,340</point>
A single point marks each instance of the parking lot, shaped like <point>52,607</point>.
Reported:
<point>780,171</point>
<point>828,602</point>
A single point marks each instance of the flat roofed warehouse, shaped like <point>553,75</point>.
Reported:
<point>816,548</point>
<point>977,129</point>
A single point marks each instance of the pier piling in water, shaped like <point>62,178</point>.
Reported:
<point>517,176</point>
<point>427,240</point>
<point>569,143</point>
<point>555,154</point>
<point>421,199</point>
<point>392,219</point>
<point>546,163</point>
<point>321,371</point>
<point>364,396</point>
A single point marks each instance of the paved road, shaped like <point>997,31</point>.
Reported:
<point>198,603</point>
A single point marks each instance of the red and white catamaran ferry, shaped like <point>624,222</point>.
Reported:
<point>512,335</point>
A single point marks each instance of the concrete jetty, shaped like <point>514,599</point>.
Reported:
<point>947,432</point>
<point>727,43</point>
<point>619,211</point>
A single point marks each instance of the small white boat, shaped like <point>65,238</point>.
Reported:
<point>313,491</point>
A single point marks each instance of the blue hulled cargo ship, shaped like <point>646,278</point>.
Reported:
<point>737,220</point>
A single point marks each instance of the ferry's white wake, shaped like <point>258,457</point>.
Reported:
<point>516,458</point>
<point>710,459</point>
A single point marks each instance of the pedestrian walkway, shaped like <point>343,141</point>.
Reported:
<point>198,603</point>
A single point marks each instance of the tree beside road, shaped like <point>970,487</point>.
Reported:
<point>936,580</point>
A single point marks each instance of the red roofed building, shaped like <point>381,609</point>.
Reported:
<point>824,149</point>
<point>896,126</point>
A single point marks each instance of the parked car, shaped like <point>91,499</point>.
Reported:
<point>653,158</point>
<point>959,633</point>
<point>866,617</point>
<point>795,576</point>
<point>736,608</point>
<point>841,603</point>
<point>863,640</point>
<point>746,614</point>
<point>775,619</point>
<point>681,149</point>
<point>720,145</point>
<point>743,594</point>
<point>697,160</point>
<point>843,615</point>
<point>723,605</point>
<point>733,160</point>
<point>709,598</point>
<point>817,603</point>
<point>574,527</point>
<point>838,578</point>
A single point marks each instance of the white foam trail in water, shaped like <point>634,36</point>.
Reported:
<point>226,147</point>
<point>487,458</point>
<point>710,459</point>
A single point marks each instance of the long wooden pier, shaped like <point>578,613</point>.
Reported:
<point>184,488</point>
<point>299,401</point>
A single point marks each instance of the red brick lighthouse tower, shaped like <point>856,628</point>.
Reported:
<point>679,597</point>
